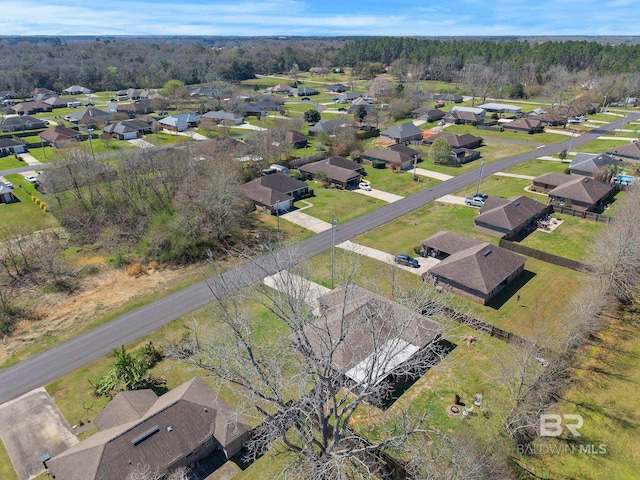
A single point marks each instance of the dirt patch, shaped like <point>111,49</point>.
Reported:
<point>61,316</point>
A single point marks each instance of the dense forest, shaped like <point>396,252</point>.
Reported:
<point>149,62</point>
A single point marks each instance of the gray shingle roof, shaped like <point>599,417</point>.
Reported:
<point>585,162</point>
<point>402,131</point>
<point>509,214</point>
<point>584,190</point>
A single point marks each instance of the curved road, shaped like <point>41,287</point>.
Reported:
<point>57,361</point>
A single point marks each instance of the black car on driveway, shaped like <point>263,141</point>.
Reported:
<point>406,260</point>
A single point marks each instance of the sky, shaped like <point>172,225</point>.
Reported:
<point>320,17</point>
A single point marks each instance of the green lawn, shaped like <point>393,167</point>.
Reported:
<point>24,216</point>
<point>537,167</point>
<point>545,138</point>
<point>11,162</point>
<point>504,187</point>
<point>571,239</point>
<point>604,392</point>
<point>342,204</point>
<point>400,183</point>
<point>599,146</point>
<point>162,138</point>
<point>7,471</point>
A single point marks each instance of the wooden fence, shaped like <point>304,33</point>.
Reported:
<point>299,162</point>
<point>596,217</point>
<point>544,256</point>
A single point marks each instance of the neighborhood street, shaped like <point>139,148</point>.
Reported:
<point>55,362</point>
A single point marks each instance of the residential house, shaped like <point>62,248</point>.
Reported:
<point>275,192</point>
<point>552,119</point>
<point>77,90</point>
<point>405,132</point>
<point>626,152</point>
<point>281,89</point>
<point>590,165</point>
<point>374,335</point>
<point>340,171</point>
<point>221,117</point>
<point>58,102</point>
<point>128,129</point>
<point>465,140</point>
<point>295,138</point>
<point>305,91</point>
<point>42,93</point>
<point>509,218</point>
<point>447,97</point>
<point>138,107</point>
<point>397,156</point>
<point>336,88</point>
<point>201,92</point>
<point>327,126</point>
<point>59,136</point>
<point>575,191</point>
<point>28,108</point>
<point>428,113</point>
<point>90,116</point>
<point>22,122</point>
<point>356,107</point>
<point>138,429</point>
<point>464,117</point>
<point>8,95</point>
<point>6,193</point>
<point>180,122</point>
<point>10,146</point>
<point>470,268</point>
<point>525,125</point>
<point>249,109</point>
<point>501,108</point>
<point>130,94</point>
<point>349,97</point>
<point>268,102</point>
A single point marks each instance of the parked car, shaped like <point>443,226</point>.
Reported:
<point>406,260</point>
<point>474,201</point>
<point>8,184</point>
<point>364,186</point>
<point>483,196</point>
<point>31,179</point>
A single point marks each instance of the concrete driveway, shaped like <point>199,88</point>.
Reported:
<point>29,159</point>
<point>430,173</point>
<point>306,290</point>
<point>307,221</point>
<point>30,426</point>
<point>379,194</point>
<point>140,143</point>
<point>453,199</point>
<point>425,263</point>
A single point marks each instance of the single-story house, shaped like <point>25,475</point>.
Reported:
<point>282,89</point>
<point>588,165</point>
<point>353,109</point>
<point>295,138</point>
<point>59,136</point>
<point>305,91</point>
<point>447,97</point>
<point>180,122</point>
<point>138,429</point>
<point>327,126</point>
<point>397,155</point>
<point>138,107</point>
<point>77,90</point>
<point>464,117</point>
<point>405,132</point>
<point>27,108</point>
<point>128,129</point>
<point>218,117</point>
<point>58,102</point>
<point>130,94</point>
<point>552,119</point>
<point>349,97</point>
<point>6,193</point>
<point>526,125</point>
<point>473,269</point>
<point>251,109</point>
<point>575,191</point>
<point>8,95</point>
<point>428,113</point>
<point>341,171</point>
<point>90,116</point>
<point>41,93</point>
<point>22,122</point>
<point>9,146</point>
<point>537,111</point>
<point>336,88</point>
<point>268,103</point>
<point>507,218</point>
<point>501,108</point>
<point>276,191</point>
<point>626,152</point>
<point>465,140</point>
<point>370,328</point>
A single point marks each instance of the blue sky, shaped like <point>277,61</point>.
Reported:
<point>320,17</point>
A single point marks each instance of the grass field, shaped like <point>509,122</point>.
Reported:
<point>504,187</point>
<point>604,392</point>
<point>545,138</point>
<point>7,471</point>
<point>11,162</point>
<point>400,183</point>
<point>24,216</point>
<point>331,203</point>
<point>599,146</point>
<point>162,138</point>
<point>538,167</point>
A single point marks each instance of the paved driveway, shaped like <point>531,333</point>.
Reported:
<point>454,199</point>
<point>307,221</point>
<point>30,426</point>
<point>379,194</point>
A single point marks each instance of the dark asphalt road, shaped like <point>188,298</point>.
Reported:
<point>57,361</point>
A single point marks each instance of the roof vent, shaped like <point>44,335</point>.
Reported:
<point>517,204</point>
<point>143,436</point>
<point>169,428</point>
<point>486,253</point>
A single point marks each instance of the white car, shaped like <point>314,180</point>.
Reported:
<point>31,179</point>
<point>364,186</point>
<point>8,184</point>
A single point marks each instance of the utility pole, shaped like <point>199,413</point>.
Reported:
<point>334,223</point>
<point>480,179</point>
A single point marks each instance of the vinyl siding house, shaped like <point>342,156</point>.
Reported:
<point>138,107</point>
<point>470,268</point>
<point>509,218</point>
<point>447,97</point>
<point>137,428</point>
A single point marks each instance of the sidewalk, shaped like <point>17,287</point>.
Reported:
<point>514,175</point>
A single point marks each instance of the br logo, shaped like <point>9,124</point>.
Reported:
<point>551,424</point>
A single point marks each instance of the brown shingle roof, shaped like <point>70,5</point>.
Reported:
<point>583,190</point>
<point>334,169</point>
<point>58,133</point>
<point>627,151</point>
<point>124,408</point>
<point>509,214</point>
